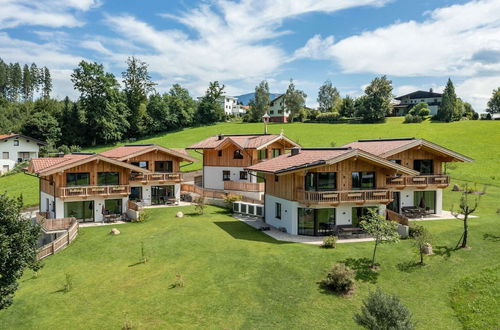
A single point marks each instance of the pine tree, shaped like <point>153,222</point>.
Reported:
<point>15,81</point>
<point>27,84</point>
<point>4,78</point>
<point>448,104</point>
<point>35,78</point>
<point>46,83</point>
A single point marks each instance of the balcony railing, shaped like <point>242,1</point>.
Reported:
<point>417,181</point>
<point>91,191</point>
<point>162,177</point>
<point>349,196</point>
<point>244,186</point>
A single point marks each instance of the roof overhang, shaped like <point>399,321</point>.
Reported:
<point>279,138</point>
<point>161,149</point>
<point>15,136</point>
<point>455,156</point>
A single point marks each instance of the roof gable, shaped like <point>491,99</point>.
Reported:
<point>13,135</point>
<point>243,141</point>
<point>129,151</point>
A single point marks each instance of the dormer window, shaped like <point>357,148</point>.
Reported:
<point>237,154</point>
<point>16,143</point>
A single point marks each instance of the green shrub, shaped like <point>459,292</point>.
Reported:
<point>340,279</point>
<point>229,200</point>
<point>409,118</point>
<point>330,242</point>
<point>328,116</point>
<point>199,205</point>
<point>383,311</point>
<point>415,230</point>
<point>424,112</point>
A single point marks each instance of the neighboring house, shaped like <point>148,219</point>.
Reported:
<point>90,186</point>
<point>240,110</point>
<point>277,110</point>
<point>406,102</point>
<point>229,104</point>
<point>495,116</point>
<point>310,191</point>
<point>225,158</point>
<point>16,148</point>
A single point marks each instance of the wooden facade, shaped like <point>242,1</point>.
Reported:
<point>154,156</point>
<point>225,156</point>
<point>408,156</point>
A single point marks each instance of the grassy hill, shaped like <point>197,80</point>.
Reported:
<point>476,139</point>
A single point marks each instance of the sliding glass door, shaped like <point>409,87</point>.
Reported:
<point>316,222</point>
<point>160,194</point>
<point>82,211</point>
<point>425,200</point>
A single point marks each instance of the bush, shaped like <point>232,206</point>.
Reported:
<point>424,112</point>
<point>340,279</point>
<point>330,242</point>
<point>328,116</point>
<point>199,205</point>
<point>412,119</point>
<point>384,311</point>
<point>415,230</point>
<point>229,199</point>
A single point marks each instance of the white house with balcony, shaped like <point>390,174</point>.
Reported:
<point>17,148</point>
<point>405,102</point>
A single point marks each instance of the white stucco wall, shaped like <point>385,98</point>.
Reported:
<point>25,145</point>
<point>288,213</point>
<point>212,176</point>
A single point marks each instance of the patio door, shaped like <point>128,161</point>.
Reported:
<point>83,210</point>
<point>425,200</point>
<point>160,194</point>
<point>316,222</point>
<point>396,202</point>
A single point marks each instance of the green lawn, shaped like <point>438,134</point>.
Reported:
<point>237,277</point>
<point>476,139</point>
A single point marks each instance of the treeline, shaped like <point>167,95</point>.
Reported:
<point>107,111</point>
<point>23,83</point>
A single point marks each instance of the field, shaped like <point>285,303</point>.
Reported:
<point>237,277</point>
<point>476,139</point>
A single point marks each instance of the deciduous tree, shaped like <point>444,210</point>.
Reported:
<point>294,100</point>
<point>494,102</point>
<point>467,206</point>
<point>329,99</point>
<point>382,230</point>
<point>376,103</point>
<point>259,105</point>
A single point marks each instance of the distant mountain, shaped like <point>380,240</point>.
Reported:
<point>245,98</point>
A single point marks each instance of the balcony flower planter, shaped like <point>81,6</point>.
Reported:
<point>76,190</point>
<point>379,194</point>
<point>419,180</point>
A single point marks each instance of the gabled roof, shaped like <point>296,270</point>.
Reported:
<point>314,157</point>
<point>420,95</point>
<point>388,147</point>
<point>48,166</point>
<point>243,141</point>
<point>276,99</point>
<point>128,151</point>
<point>13,135</point>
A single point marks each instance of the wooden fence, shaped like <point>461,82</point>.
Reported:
<point>217,194</point>
<point>60,242</point>
<point>399,218</point>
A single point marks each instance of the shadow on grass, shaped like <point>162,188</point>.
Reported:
<point>409,266</point>
<point>444,251</point>
<point>491,237</point>
<point>362,266</point>
<point>240,230</point>
<point>137,264</point>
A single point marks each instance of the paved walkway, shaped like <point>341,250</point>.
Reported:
<point>181,203</point>
<point>285,237</point>
<point>445,215</point>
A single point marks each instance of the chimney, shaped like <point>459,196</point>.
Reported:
<point>295,151</point>
<point>430,90</point>
<point>60,154</point>
<point>220,136</point>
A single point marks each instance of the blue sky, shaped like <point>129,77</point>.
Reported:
<point>417,44</point>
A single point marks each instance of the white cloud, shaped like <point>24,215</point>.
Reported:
<point>50,13</point>
<point>477,91</point>
<point>96,46</point>
<point>315,48</point>
<point>447,43</point>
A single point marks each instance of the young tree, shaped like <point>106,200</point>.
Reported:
<point>347,108</point>
<point>209,109</point>
<point>469,111</point>
<point>376,103</point>
<point>138,85</point>
<point>381,311</point>
<point>18,247</point>
<point>382,230</point>
<point>103,105</point>
<point>329,98</point>
<point>46,83</point>
<point>421,239</point>
<point>259,105</point>
<point>294,100</point>
<point>494,102</point>
<point>448,104</point>
<point>467,206</point>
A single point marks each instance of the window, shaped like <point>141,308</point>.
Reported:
<point>135,193</point>
<point>276,178</point>
<point>359,212</point>
<point>77,179</point>
<point>108,178</point>
<point>164,166</point>
<point>219,153</point>
<point>16,143</point>
<point>5,155</point>
<point>262,154</point>
<point>226,175</point>
<point>243,175</point>
<point>363,180</point>
<point>271,112</point>
<point>113,206</point>
<point>237,154</point>
<point>22,156</point>
<point>425,200</point>
<point>424,166</point>
<point>276,152</point>
<point>316,222</point>
<point>321,181</point>
<point>396,161</point>
<point>142,164</point>
<point>280,111</point>
<point>278,211</point>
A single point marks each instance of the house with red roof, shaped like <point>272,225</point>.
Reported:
<point>316,191</point>
<point>17,148</point>
<point>93,187</point>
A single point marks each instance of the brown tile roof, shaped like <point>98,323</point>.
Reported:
<point>124,151</point>
<point>6,136</point>
<point>305,158</point>
<point>381,146</point>
<point>41,164</point>
<point>250,141</point>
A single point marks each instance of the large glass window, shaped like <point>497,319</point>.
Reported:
<point>424,166</point>
<point>358,213</point>
<point>108,178</point>
<point>425,200</point>
<point>135,193</point>
<point>113,206</point>
<point>316,222</point>
<point>363,180</point>
<point>226,175</point>
<point>77,179</point>
<point>262,154</point>
<point>161,194</point>
<point>276,152</point>
<point>83,210</point>
<point>142,164</point>
<point>321,181</point>
<point>164,166</point>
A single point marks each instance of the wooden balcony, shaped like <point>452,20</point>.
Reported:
<point>156,177</point>
<point>351,196</point>
<point>94,191</point>
<point>244,186</point>
<point>419,181</point>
